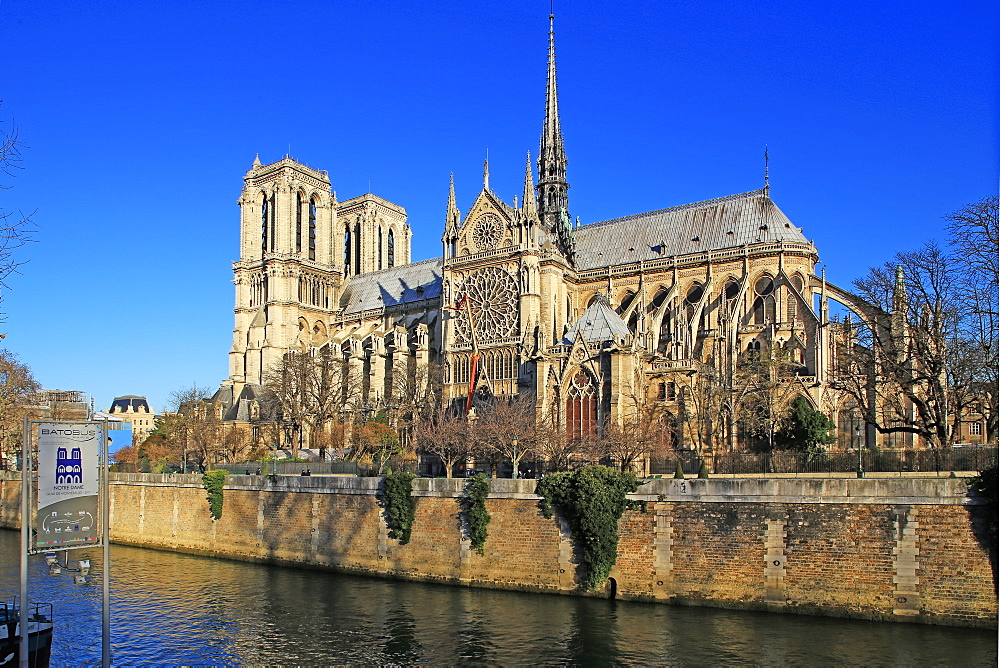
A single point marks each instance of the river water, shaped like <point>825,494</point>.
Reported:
<point>178,609</point>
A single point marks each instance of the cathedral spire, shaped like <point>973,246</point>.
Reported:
<point>553,189</point>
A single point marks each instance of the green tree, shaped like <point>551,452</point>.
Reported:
<point>804,429</point>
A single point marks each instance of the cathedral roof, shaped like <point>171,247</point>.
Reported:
<point>390,287</point>
<point>726,222</point>
<point>598,323</point>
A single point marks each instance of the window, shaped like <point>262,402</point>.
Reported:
<point>312,229</point>
<point>581,406</point>
<point>976,428</point>
<point>263,225</point>
<point>347,249</point>
<point>357,246</point>
<point>272,243</point>
<point>380,247</point>
<point>391,255</point>
<point>298,223</point>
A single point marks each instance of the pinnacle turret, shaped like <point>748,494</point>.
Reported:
<point>528,204</point>
<point>454,217</point>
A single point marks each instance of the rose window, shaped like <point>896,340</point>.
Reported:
<point>491,296</point>
<point>488,232</point>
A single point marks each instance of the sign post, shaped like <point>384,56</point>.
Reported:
<point>65,505</point>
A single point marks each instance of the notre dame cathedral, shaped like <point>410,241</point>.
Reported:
<point>590,320</point>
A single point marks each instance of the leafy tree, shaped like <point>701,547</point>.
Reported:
<point>377,442</point>
<point>804,429</point>
<point>18,388</point>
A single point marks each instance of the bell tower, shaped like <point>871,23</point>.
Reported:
<point>288,268</point>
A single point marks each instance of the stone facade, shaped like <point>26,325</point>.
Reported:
<point>593,320</point>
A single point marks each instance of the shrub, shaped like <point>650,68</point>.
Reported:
<point>592,499</point>
<point>213,482</point>
<point>679,471</point>
<point>703,471</point>
<point>474,506</point>
<point>400,505</point>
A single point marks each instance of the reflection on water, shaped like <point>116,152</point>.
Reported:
<point>181,609</point>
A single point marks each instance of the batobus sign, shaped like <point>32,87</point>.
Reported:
<point>68,485</point>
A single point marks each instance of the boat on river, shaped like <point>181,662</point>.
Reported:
<point>39,634</point>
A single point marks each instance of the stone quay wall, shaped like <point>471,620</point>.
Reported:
<point>880,549</point>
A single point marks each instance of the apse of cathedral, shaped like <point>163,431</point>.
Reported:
<point>589,320</point>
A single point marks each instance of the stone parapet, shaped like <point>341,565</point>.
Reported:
<point>886,549</point>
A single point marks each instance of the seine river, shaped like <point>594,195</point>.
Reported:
<point>175,609</point>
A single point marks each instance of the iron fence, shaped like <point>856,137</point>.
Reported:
<point>974,458</point>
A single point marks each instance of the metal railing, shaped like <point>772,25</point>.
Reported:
<point>973,458</point>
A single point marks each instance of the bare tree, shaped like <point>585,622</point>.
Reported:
<point>703,396</point>
<point>16,229</point>
<point>554,444</point>
<point>446,435</point>
<point>641,430</point>
<point>763,385</point>
<point>506,429</point>
<point>312,394</point>
<point>897,369</point>
<point>974,371</point>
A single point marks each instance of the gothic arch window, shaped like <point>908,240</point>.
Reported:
<point>764,305</point>
<point>581,406</point>
<point>271,210</point>
<point>379,246</point>
<point>391,250</point>
<point>357,247</point>
<point>263,224</point>
<point>312,229</point>
<point>298,222</point>
<point>347,249</point>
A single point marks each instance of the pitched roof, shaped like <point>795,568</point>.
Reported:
<point>390,287</point>
<point>598,323</point>
<point>725,222</point>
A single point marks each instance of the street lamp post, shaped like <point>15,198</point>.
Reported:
<point>513,472</point>
<point>860,446</point>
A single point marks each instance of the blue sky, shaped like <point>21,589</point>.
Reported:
<point>142,118</point>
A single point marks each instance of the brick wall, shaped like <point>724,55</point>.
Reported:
<point>875,549</point>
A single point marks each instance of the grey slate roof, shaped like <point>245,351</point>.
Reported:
<point>598,323</point>
<point>725,222</point>
<point>389,287</point>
